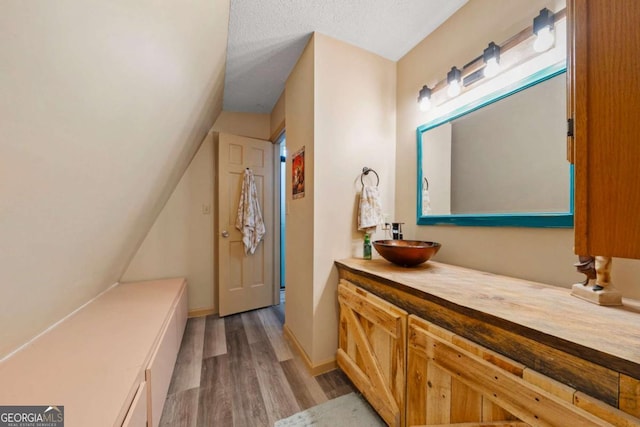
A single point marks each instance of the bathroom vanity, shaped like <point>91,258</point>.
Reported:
<point>444,345</point>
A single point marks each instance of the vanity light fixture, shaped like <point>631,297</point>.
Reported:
<point>454,79</point>
<point>543,29</point>
<point>424,98</point>
<point>523,46</point>
<point>491,57</point>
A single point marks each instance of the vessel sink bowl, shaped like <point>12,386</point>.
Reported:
<point>406,253</point>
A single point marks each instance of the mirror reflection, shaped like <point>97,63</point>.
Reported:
<point>507,158</point>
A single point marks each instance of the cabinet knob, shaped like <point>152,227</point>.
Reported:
<point>225,234</point>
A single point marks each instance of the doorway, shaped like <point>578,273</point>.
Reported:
<point>282,141</point>
<point>281,171</point>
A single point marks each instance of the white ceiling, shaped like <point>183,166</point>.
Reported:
<point>266,37</point>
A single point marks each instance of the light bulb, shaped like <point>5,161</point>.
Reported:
<point>492,67</point>
<point>454,89</point>
<point>425,103</point>
<point>544,40</point>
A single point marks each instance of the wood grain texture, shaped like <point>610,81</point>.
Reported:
<point>335,383</point>
<point>186,374</point>
<point>528,403</point>
<point>604,411</point>
<point>416,387</point>
<point>606,66</point>
<point>215,399</point>
<point>181,409</point>
<point>372,353</point>
<point>437,398</point>
<point>306,389</point>
<point>273,328</point>
<point>248,407</point>
<point>277,395</point>
<point>556,388</point>
<point>467,405</point>
<point>550,333</point>
<point>215,342</point>
<point>492,412</point>
<point>578,84</point>
<point>438,407</point>
<point>248,386</point>
<point>630,395</point>
<point>378,390</point>
<point>482,424</point>
<point>253,327</point>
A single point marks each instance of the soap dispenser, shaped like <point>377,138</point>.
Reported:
<point>396,230</point>
<point>366,248</point>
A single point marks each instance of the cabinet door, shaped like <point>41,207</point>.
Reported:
<point>137,415</point>
<point>605,99</point>
<point>372,350</point>
<point>451,380</point>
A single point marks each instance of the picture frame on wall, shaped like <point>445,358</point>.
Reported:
<point>297,174</point>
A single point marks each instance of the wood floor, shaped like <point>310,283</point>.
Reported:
<point>239,371</point>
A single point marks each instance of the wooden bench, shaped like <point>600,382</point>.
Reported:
<point>110,363</point>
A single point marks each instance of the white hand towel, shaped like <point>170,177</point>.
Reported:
<point>370,209</point>
<point>249,219</point>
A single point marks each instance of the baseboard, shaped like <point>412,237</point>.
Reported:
<point>314,370</point>
<point>201,312</point>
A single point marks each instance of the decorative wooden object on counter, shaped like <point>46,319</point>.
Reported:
<point>569,354</point>
<point>602,293</point>
<point>603,100</point>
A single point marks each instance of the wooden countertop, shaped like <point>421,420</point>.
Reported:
<point>539,311</point>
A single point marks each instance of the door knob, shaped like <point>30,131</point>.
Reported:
<point>225,233</point>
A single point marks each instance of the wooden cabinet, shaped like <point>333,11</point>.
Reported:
<point>484,350</point>
<point>451,380</point>
<point>372,349</point>
<point>604,101</point>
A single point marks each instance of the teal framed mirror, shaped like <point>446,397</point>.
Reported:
<point>499,160</point>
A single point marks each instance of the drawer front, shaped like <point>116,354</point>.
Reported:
<point>160,369</point>
<point>137,415</point>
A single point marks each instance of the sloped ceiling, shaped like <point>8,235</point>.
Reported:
<point>266,38</point>
<point>102,105</point>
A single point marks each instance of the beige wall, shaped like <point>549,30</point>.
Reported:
<point>340,105</point>
<point>103,106</point>
<point>277,117</point>
<point>544,255</point>
<point>299,110</point>
<point>180,242</point>
<point>252,125</point>
<point>354,127</point>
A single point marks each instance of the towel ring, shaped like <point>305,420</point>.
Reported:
<point>426,183</point>
<point>365,171</point>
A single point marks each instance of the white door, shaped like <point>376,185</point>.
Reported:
<point>245,281</point>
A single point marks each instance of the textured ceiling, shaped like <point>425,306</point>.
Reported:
<point>266,37</point>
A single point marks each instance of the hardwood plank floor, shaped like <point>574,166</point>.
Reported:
<point>239,371</point>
